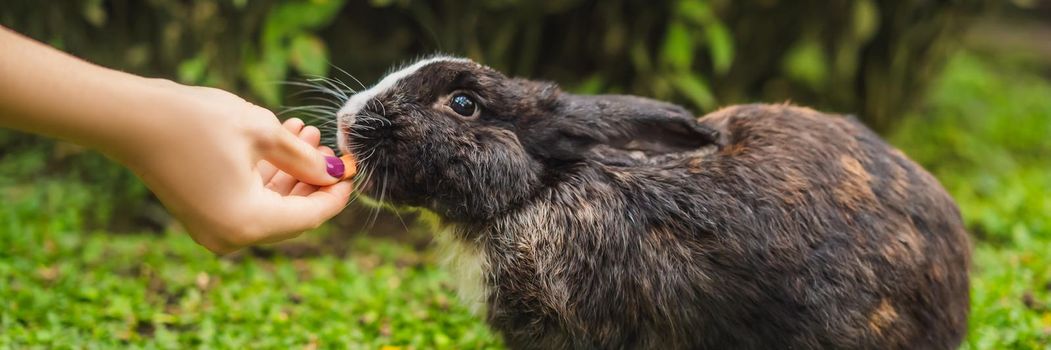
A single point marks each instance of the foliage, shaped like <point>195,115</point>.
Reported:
<point>985,135</point>
<point>64,282</point>
<point>702,53</point>
<point>28,161</point>
<point>1010,297</point>
<point>287,40</point>
<point>65,287</point>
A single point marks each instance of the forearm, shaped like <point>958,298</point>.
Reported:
<point>228,169</point>
<point>45,91</point>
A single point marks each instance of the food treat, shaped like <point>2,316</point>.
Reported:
<point>351,166</point>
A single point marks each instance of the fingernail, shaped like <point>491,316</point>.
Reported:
<point>334,166</point>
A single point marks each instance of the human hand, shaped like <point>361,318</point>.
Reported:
<point>224,167</point>
<point>230,172</point>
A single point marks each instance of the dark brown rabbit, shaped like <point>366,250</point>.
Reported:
<point>618,222</point>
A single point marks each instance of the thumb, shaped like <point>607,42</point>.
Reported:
<point>301,160</point>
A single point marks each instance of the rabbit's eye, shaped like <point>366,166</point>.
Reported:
<point>463,105</point>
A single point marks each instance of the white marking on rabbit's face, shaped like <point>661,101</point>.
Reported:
<point>468,265</point>
<point>346,115</point>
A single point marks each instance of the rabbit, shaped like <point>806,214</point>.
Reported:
<point>622,222</point>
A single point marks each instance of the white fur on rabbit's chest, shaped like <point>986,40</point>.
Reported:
<point>467,265</point>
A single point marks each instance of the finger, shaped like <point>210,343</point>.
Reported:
<point>295,126</point>
<point>326,150</point>
<point>282,183</point>
<point>266,170</point>
<point>301,160</point>
<point>311,135</point>
<point>289,216</point>
<point>303,188</point>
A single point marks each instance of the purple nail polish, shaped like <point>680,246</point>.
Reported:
<point>334,166</point>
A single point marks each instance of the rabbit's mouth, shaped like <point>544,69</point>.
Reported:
<point>353,139</point>
<point>386,170</point>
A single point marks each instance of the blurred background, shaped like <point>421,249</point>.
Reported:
<point>88,258</point>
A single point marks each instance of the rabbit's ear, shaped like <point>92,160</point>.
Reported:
<point>621,121</point>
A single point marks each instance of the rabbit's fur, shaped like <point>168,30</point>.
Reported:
<point>618,222</point>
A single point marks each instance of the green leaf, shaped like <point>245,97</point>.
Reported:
<point>640,58</point>
<point>95,13</point>
<point>866,19</point>
<point>309,55</point>
<point>720,46</point>
<point>290,18</point>
<point>678,48</point>
<point>696,11</point>
<point>592,85</point>
<point>806,63</point>
<point>718,36</point>
<point>694,88</point>
<point>192,71</point>
<point>264,75</point>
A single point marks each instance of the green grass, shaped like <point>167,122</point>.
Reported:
<point>1006,277</point>
<point>61,287</point>
<point>985,132</point>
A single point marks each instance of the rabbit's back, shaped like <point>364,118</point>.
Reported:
<point>867,246</point>
<point>799,230</point>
